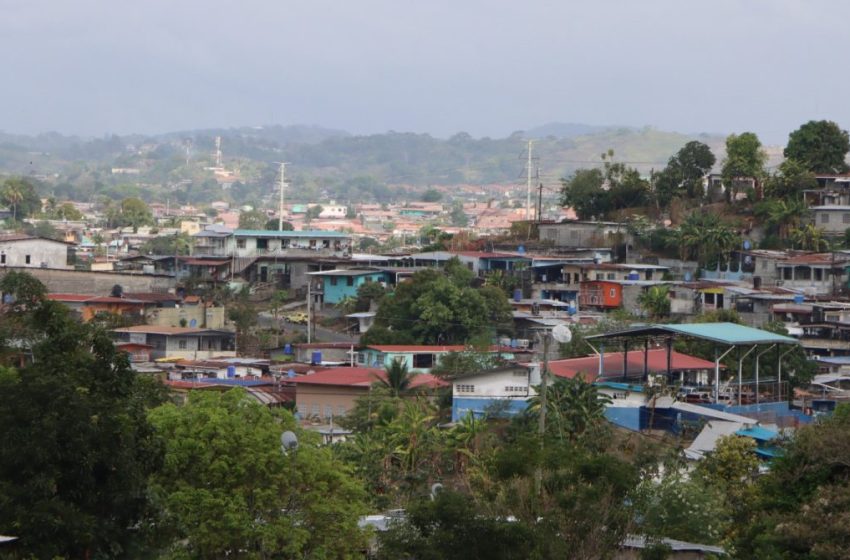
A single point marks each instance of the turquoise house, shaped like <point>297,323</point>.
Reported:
<point>340,284</point>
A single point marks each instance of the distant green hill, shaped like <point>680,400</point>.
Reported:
<point>325,162</point>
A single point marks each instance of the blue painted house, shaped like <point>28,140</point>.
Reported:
<point>340,284</point>
<point>419,358</point>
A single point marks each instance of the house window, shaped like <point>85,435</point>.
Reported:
<point>824,218</point>
<point>846,218</point>
<point>28,259</point>
<point>181,344</point>
<point>787,273</point>
<point>612,293</point>
<point>465,388</point>
<point>240,243</point>
<point>314,410</point>
<point>349,280</point>
<point>2,258</point>
<point>819,272</point>
<point>423,361</point>
<point>333,280</point>
<point>262,243</point>
<point>361,358</point>
<point>329,411</point>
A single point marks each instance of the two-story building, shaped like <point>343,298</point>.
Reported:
<point>244,243</point>
<point>180,342</point>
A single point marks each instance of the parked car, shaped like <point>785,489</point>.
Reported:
<point>297,317</point>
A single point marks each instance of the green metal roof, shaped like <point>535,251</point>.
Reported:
<point>723,333</point>
<point>297,234</point>
<point>730,333</point>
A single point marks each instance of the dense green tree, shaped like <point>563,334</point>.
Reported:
<point>468,361</point>
<point>790,181</point>
<point>745,159</point>
<point>313,212</point>
<point>227,490</point>
<point>76,448</point>
<point>583,192</point>
<point>781,215</point>
<point>133,212</point>
<point>21,197</point>
<point>440,307</point>
<point>452,526</point>
<point>253,219</point>
<point>684,173</point>
<point>272,225</point>
<point>458,216</point>
<point>820,146</point>
<point>177,244</point>
<point>432,195</point>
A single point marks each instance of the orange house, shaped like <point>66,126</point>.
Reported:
<point>600,294</point>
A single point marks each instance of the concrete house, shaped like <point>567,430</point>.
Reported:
<point>343,283</point>
<point>419,358</point>
<point>27,251</point>
<point>244,243</point>
<point>180,342</point>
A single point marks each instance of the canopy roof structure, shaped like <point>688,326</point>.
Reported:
<point>730,334</point>
<point>725,337</point>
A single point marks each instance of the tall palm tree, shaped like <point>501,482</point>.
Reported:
<point>809,238</point>
<point>13,195</point>
<point>397,378</point>
<point>573,406</point>
<point>655,301</point>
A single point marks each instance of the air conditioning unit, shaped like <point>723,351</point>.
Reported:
<point>523,343</point>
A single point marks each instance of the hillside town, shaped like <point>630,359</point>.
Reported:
<point>424,281</point>
<point>706,327</point>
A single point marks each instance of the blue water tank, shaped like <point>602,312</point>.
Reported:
<point>517,294</point>
<point>287,349</point>
<point>633,275</point>
<point>231,371</point>
<point>514,343</point>
<point>572,309</point>
<point>290,374</point>
<point>316,357</point>
<point>799,298</point>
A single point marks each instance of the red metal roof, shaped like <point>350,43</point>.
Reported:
<point>69,297</point>
<point>361,377</point>
<point>613,364</point>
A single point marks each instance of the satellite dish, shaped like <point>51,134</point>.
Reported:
<point>562,333</point>
<point>288,442</point>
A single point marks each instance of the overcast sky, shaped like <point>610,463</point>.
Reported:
<point>486,67</point>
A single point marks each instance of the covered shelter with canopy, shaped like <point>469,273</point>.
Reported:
<point>725,337</point>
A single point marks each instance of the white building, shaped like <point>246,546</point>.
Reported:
<point>20,250</point>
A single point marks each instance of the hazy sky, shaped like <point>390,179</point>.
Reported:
<point>439,66</point>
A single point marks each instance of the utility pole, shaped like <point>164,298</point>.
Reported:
<point>541,425</point>
<point>309,310</point>
<point>539,196</point>
<point>528,185</point>
<point>282,187</point>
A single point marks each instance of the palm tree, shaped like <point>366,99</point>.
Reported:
<point>397,378</point>
<point>13,195</point>
<point>573,406</point>
<point>655,301</point>
<point>809,238</point>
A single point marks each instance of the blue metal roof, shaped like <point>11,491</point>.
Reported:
<point>296,234</point>
<point>724,333</point>
<point>758,433</point>
<point>620,386</point>
<point>731,333</point>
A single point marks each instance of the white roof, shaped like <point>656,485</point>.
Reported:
<point>706,441</point>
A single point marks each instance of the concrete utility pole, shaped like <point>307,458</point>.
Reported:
<point>528,185</point>
<point>282,187</point>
